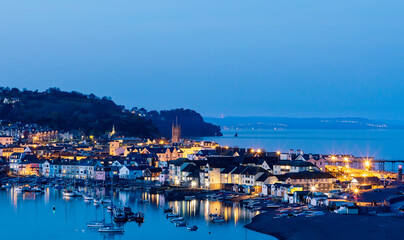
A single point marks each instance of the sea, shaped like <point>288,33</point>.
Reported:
<point>31,216</point>
<point>386,144</point>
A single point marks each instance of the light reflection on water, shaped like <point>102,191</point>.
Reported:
<point>30,216</point>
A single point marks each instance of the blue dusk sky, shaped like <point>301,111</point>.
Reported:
<point>301,58</point>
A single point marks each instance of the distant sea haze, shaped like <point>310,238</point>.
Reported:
<point>379,143</point>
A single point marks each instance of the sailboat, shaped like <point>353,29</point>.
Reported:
<point>99,224</point>
<point>67,192</point>
<point>18,189</point>
<point>87,196</point>
<point>113,228</point>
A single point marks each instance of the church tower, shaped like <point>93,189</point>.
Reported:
<point>176,132</point>
<point>112,133</point>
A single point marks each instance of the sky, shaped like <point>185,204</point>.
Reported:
<point>302,58</point>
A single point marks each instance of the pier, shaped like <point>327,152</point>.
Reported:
<point>381,164</point>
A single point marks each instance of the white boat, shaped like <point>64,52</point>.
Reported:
<point>192,228</point>
<point>218,219</point>
<point>181,224</point>
<point>68,193</point>
<point>105,201</point>
<point>111,230</point>
<point>37,190</point>
<point>87,197</point>
<point>97,200</point>
<point>99,224</point>
<point>18,190</point>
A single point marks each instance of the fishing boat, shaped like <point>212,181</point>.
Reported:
<point>139,217</point>
<point>111,229</point>
<point>192,228</point>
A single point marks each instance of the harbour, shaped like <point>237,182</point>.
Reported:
<point>50,215</point>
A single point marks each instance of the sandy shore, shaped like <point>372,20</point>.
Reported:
<point>329,227</point>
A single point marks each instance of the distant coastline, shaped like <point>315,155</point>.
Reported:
<point>264,123</point>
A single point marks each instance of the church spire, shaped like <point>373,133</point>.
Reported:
<point>113,130</point>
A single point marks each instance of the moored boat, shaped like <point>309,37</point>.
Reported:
<point>218,219</point>
<point>177,219</point>
<point>68,193</point>
<point>192,228</point>
<point>139,217</point>
<point>172,215</point>
<point>181,224</point>
<point>189,198</point>
<point>120,216</point>
<point>99,224</point>
<point>111,230</point>
<point>168,210</point>
<point>88,197</point>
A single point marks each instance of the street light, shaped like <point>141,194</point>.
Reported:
<point>313,188</point>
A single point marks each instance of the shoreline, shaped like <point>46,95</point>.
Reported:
<point>329,226</point>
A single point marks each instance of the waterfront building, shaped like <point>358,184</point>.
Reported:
<point>6,140</point>
<point>294,166</point>
<point>131,172</point>
<point>10,149</point>
<point>311,181</point>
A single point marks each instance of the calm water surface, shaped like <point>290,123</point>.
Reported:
<point>30,216</point>
<point>383,144</point>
